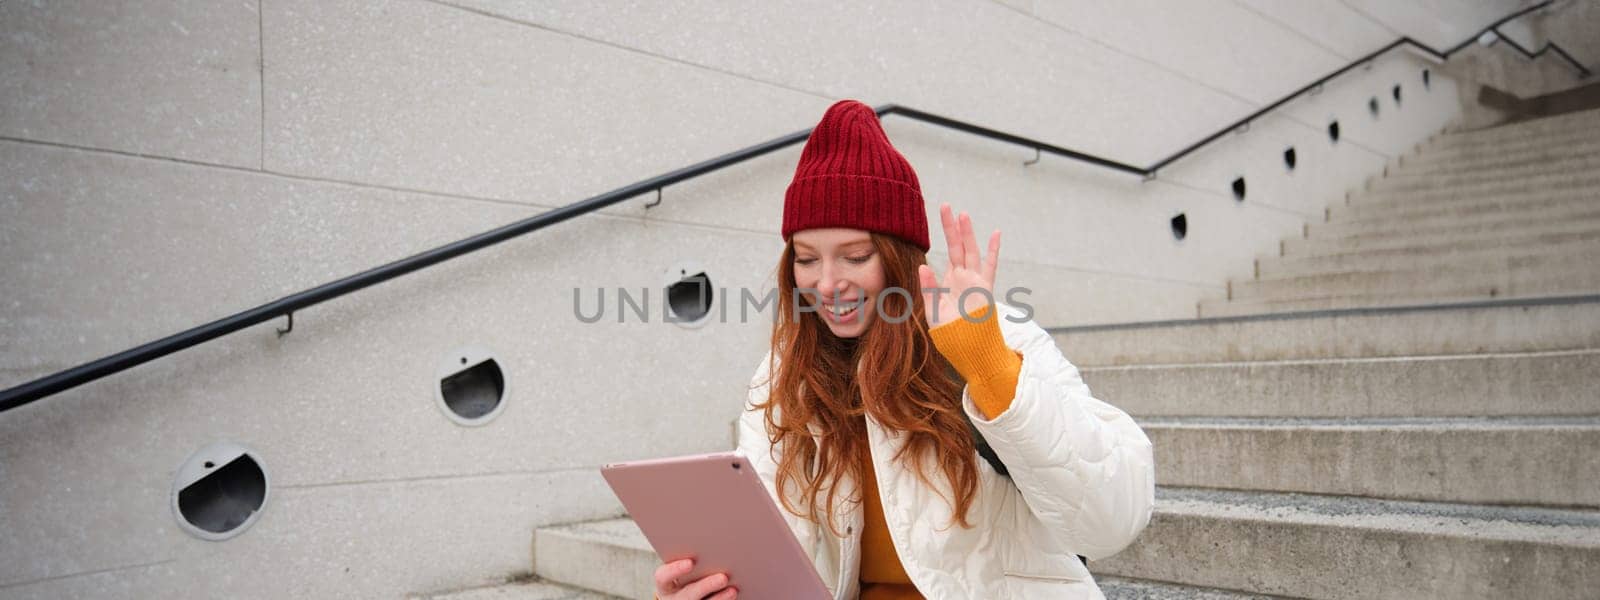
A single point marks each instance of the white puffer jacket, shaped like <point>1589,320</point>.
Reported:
<point>1082,481</point>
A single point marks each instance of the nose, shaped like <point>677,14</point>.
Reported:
<point>832,285</point>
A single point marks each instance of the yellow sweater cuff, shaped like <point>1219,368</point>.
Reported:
<point>978,351</point>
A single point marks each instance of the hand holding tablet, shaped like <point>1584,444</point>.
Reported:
<point>668,588</point>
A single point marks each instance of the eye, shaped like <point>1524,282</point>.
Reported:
<point>804,261</point>
<point>860,259</point>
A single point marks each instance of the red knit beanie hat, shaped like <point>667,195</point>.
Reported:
<point>850,176</point>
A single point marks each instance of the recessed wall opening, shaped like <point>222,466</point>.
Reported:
<point>689,294</point>
<point>472,386</point>
<point>1180,226</point>
<point>1333,131</point>
<point>475,391</point>
<point>1289,158</point>
<point>1426,76</point>
<point>1396,93</point>
<point>690,297</point>
<point>1238,189</point>
<point>1372,106</point>
<point>219,492</point>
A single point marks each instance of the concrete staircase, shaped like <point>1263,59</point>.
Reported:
<point>1403,404</point>
<point>1510,211</point>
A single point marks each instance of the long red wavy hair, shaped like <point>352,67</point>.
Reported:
<point>891,372</point>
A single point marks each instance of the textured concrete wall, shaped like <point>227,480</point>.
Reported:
<point>163,164</point>
<point>1574,25</point>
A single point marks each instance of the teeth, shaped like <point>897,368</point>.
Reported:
<point>841,309</point>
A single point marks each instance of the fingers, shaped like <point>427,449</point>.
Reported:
<point>926,279</point>
<point>969,244</point>
<point>726,594</point>
<point>991,261</point>
<point>952,235</point>
<point>668,573</point>
<point>929,283</point>
<point>706,586</point>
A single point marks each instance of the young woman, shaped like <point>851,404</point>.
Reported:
<point>864,436</point>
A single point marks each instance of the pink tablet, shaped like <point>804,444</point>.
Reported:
<point>713,508</point>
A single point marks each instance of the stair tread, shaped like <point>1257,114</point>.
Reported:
<point>1456,423</point>
<point>525,590</point>
<point>1121,588</point>
<point>1557,526</point>
<point>1563,526</point>
<point>621,532</point>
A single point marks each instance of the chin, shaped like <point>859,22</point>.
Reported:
<point>846,330</point>
<point>852,332</point>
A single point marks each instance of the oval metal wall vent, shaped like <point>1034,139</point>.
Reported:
<point>472,386</point>
<point>1180,226</point>
<point>689,294</point>
<point>219,491</point>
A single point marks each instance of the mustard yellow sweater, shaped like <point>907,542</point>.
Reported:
<point>979,353</point>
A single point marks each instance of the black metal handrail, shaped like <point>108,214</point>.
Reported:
<point>286,306</point>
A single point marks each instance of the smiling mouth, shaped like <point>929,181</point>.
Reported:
<point>843,311</point>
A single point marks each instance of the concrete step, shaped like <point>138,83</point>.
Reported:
<point>1413,207</point>
<point>1550,461</point>
<point>1331,547</point>
<point>1506,216</point>
<point>1405,256</point>
<point>611,557</point>
<point>1324,240</point>
<point>1561,383</point>
<point>1555,126</point>
<point>617,544</point>
<point>1277,307</point>
<point>1474,236</point>
<point>522,590</point>
<point>1421,255</point>
<point>1494,158</point>
<point>1452,145</point>
<point>1423,189</point>
<point>1120,588</point>
<point>1551,324</point>
<point>1413,176</point>
<point>1491,277</point>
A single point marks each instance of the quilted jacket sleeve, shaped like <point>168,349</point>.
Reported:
<point>1084,468</point>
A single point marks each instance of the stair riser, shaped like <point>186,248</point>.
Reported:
<point>1380,260</point>
<point>1491,159</point>
<point>1259,306</point>
<point>1409,178</point>
<point>1516,276</point>
<point>1557,384</point>
<point>1559,129</point>
<point>1311,560</point>
<point>1430,187</point>
<point>612,569</point>
<point>1450,145</point>
<point>1522,466</point>
<point>1545,221</point>
<point>1414,209</point>
<point>1562,127</point>
<point>1458,237</point>
<point>1451,332</point>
